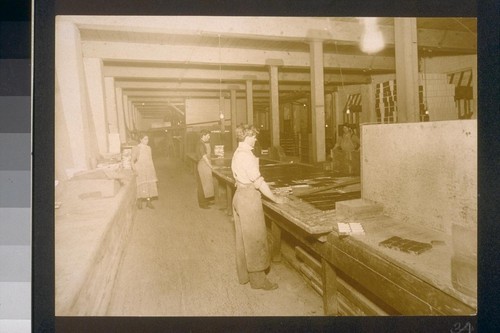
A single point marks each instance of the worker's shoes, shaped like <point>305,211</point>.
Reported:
<point>258,280</point>
<point>149,204</point>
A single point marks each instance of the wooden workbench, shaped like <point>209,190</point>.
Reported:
<point>360,277</point>
<point>356,276</point>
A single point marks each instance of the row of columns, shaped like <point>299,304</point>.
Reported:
<point>102,104</point>
<point>90,104</point>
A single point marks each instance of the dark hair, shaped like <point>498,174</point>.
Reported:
<point>204,132</point>
<point>244,130</point>
<point>141,135</point>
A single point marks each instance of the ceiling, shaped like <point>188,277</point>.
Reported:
<point>159,62</point>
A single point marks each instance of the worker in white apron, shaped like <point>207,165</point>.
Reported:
<point>204,178</point>
<point>142,164</point>
<point>252,252</point>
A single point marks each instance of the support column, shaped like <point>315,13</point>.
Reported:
<point>74,110</point>
<point>121,115</point>
<point>109,88</point>
<point>274,94</point>
<point>405,40</point>
<point>132,116</point>
<point>234,117</point>
<point>125,113</point>
<point>317,101</point>
<point>137,118</point>
<point>368,105</point>
<point>95,88</point>
<point>249,91</point>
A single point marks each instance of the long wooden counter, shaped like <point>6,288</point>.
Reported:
<point>90,235</point>
<point>354,275</point>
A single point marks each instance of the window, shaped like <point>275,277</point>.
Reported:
<point>463,92</point>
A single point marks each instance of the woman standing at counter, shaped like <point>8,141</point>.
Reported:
<point>252,253</point>
<point>142,164</point>
<point>204,179</point>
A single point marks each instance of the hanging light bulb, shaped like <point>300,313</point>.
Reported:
<point>372,40</point>
<point>348,111</point>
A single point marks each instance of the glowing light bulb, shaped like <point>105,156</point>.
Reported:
<point>348,111</point>
<point>372,40</point>
<point>221,115</point>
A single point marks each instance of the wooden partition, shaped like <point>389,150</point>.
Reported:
<point>423,173</point>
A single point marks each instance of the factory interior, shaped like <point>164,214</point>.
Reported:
<point>386,228</point>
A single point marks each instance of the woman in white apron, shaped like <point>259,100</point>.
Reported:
<point>204,175</point>
<point>142,164</point>
<point>252,253</point>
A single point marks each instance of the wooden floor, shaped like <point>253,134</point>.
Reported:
<point>180,261</point>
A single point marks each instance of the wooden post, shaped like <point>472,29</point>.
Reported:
<point>249,92</point>
<point>95,87</point>
<point>276,245</point>
<point>317,101</point>
<point>70,80</point>
<point>122,129</point>
<point>274,107</point>
<point>329,279</point>
<point>234,120</point>
<point>405,40</point>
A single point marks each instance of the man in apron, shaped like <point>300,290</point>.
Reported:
<point>204,175</point>
<point>252,253</point>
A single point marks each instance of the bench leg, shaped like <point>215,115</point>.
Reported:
<point>229,199</point>
<point>276,244</point>
<point>329,279</point>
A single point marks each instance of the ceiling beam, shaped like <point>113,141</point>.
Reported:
<point>266,28</point>
<point>447,40</point>
<point>203,86</point>
<point>170,94</point>
<point>191,55</point>
<point>129,73</point>
<point>270,28</point>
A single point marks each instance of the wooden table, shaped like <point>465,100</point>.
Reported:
<point>354,275</point>
<point>359,277</point>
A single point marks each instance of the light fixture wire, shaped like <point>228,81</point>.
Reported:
<point>220,81</point>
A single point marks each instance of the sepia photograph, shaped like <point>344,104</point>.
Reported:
<point>265,166</point>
